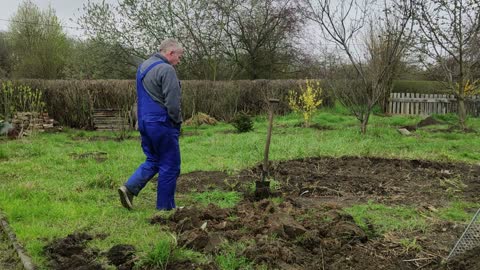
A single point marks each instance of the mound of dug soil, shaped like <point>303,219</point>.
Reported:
<point>353,179</point>
<point>122,256</point>
<point>309,230</point>
<point>71,253</point>
<point>468,260</point>
<point>279,236</point>
<point>429,121</point>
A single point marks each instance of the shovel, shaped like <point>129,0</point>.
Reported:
<point>262,188</point>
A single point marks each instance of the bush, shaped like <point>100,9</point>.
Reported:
<point>419,87</point>
<point>19,98</point>
<point>242,122</point>
<point>306,101</point>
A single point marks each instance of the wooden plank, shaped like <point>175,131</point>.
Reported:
<point>105,114</point>
<point>411,104</point>
<point>420,104</point>
<point>420,100</point>
<point>414,104</point>
<point>429,106</point>
<point>397,104</point>
<point>444,108</point>
<point>110,122</point>
<point>390,104</point>
<point>394,104</point>
<point>409,96</point>
<point>106,110</point>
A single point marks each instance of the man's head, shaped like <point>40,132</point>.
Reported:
<point>172,50</point>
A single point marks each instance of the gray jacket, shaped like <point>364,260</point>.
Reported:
<point>163,86</point>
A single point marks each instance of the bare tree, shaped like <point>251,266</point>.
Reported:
<point>259,33</point>
<point>201,32</point>
<point>136,26</point>
<point>447,28</point>
<point>222,38</point>
<point>368,76</point>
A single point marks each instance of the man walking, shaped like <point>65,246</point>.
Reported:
<point>159,121</point>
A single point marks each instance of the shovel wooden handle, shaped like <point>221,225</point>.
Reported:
<point>269,136</point>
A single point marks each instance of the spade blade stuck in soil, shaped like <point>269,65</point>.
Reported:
<point>262,189</point>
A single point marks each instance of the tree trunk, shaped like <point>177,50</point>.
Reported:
<point>462,113</point>
<point>365,123</point>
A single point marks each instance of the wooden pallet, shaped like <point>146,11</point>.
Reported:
<point>109,120</point>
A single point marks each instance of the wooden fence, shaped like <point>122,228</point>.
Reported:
<point>427,104</point>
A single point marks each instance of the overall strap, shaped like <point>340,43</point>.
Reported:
<point>142,75</point>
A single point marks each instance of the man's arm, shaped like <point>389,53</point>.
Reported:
<point>172,93</point>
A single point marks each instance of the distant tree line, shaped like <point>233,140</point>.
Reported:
<point>224,40</point>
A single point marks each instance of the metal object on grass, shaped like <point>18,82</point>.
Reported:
<point>470,238</point>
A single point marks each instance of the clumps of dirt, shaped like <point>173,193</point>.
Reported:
<point>72,252</point>
<point>466,261</point>
<point>201,181</point>
<point>429,121</point>
<point>280,236</point>
<point>321,127</point>
<point>308,230</point>
<point>385,180</point>
<point>122,256</point>
<point>182,265</point>
<point>314,126</point>
<point>357,179</point>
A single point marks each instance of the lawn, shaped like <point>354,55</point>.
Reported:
<point>52,185</point>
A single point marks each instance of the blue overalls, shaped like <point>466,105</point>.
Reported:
<point>160,145</point>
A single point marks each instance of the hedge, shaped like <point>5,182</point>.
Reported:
<point>72,102</point>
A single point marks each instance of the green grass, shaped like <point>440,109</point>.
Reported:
<point>229,258</point>
<point>219,198</point>
<point>458,211</point>
<point>410,244</point>
<point>230,261</point>
<point>378,219</point>
<point>46,192</point>
<point>161,254</point>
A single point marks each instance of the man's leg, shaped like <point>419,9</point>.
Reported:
<point>141,176</point>
<point>168,152</point>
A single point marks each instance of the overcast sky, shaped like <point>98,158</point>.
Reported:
<point>65,10</point>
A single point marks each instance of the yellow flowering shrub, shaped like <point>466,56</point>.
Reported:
<point>472,88</point>
<point>306,101</point>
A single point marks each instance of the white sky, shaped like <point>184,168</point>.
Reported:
<point>64,9</point>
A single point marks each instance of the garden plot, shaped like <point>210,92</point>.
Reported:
<point>328,213</point>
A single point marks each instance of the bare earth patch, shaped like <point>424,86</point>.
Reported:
<point>308,229</point>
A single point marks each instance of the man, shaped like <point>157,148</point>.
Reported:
<point>159,121</point>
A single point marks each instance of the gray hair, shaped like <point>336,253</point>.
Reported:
<point>170,44</point>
